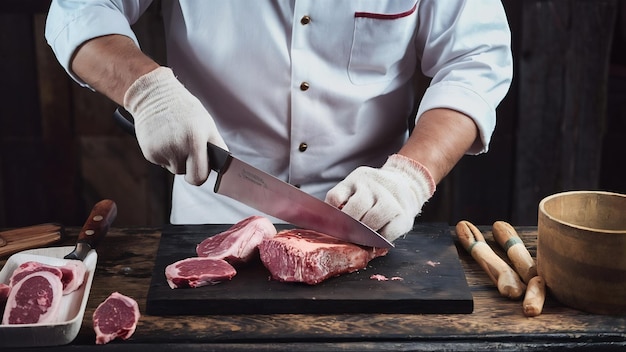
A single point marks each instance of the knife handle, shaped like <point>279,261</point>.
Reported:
<point>98,223</point>
<point>124,120</point>
<point>218,158</point>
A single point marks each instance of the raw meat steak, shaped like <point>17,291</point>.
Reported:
<point>116,317</point>
<point>71,274</point>
<point>311,257</point>
<point>34,299</point>
<point>198,271</point>
<point>27,268</point>
<point>239,243</point>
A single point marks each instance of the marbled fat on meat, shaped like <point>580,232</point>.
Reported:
<point>36,298</point>
<point>311,257</point>
<point>72,274</point>
<point>197,272</point>
<point>239,243</point>
<point>30,267</point>
<point>116,317</point>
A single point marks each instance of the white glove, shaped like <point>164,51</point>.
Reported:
<point>386,199</point>
<point>171,125</point>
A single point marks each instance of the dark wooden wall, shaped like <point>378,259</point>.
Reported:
<point>561,127</point>
<point>60,150</point>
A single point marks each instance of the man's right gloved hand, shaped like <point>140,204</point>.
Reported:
<point>171,125</point>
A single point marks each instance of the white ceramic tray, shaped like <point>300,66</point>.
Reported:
<point>72,305</point>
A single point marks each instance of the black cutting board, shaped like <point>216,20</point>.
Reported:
<point>426,259</point>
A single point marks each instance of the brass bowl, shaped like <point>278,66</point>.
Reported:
<point>581,250</point>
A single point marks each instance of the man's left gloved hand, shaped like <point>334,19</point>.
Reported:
<point>386,199</point>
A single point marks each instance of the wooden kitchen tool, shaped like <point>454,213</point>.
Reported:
<point>509,240</point>
<point>535,297</point>
<point>581,250</point>
<point>15,240</point>
<point>524,265</point>
<point>501,274</point>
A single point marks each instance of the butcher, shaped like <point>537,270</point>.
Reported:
<point>319,93</point>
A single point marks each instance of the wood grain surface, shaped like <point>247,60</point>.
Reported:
<point>126,260</point>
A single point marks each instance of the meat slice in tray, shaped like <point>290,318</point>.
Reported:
<point>239,243</point>
<point>34,299</point>
<point>299,255</point>
<point>116,317</point>
<point>72,274</point>
<point>198,271</point>
<point>30,267</point>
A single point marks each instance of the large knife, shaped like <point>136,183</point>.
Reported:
<point>270,195</point>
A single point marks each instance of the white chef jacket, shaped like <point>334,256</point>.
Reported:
<point>308,90</point>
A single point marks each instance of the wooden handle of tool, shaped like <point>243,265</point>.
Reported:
<point>501,274</point>
<point>97,224</point>
<point>535,297</point>
<point>509,240</point>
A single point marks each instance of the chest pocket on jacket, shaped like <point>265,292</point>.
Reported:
<point>382,45</point>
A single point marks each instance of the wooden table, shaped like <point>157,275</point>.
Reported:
<point>125,263</point>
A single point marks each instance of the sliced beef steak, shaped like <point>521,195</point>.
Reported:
<point>30,267</point>
<point>311,257</point>
<point>116,317</point>
<point>71,274</point>
<point>239,243</point>
<point>34,299</point>
<point>198,271</point>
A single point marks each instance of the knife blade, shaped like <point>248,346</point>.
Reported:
<point>95,228</point>
<point>264,192</point>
